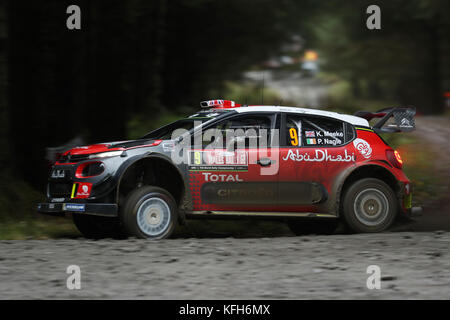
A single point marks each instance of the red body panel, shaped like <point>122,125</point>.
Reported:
<point>95,148</point>
<point>317,166</point>
<point>248,171</point>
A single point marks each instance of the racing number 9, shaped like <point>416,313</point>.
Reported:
<point>197,157</point>
<point>294,136</point>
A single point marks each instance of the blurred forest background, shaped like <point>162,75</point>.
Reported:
<point>136,64</point>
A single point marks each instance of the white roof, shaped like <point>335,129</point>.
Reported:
<point>343,117</point>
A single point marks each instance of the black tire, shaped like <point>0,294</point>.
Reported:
<point>369,205</point>
<point>96,227</point>
<point>316,226</point>
<point>158,222</point>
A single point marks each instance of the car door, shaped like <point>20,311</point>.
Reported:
<point>313,152</point>
<point>235,170</point>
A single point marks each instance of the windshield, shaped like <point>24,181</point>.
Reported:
<point>199,118</point>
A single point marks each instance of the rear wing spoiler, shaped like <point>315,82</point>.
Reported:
<point>403,119</point>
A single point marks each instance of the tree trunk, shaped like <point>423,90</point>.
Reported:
<point>5,159</point>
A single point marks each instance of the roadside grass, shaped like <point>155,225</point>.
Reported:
<point>418,164</point>
<point>37,228</point>
<point>18,217</point>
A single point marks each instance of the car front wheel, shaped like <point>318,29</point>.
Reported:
<point>369,205</point>
<point>149,213</point>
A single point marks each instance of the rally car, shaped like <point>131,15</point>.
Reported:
<point>310,168</point>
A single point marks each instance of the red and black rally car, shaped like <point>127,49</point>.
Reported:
<point>311,168</point>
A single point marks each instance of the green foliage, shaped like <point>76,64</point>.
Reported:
<point>17,198</point>
<point>341,97</point>
<point>401,62</point>
<point>247,93</point>
<point>139,124</point>
<point>418,165</point>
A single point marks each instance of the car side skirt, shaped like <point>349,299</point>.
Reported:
<point>259,214</point>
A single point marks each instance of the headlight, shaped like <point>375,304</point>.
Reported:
<point>105,154</point>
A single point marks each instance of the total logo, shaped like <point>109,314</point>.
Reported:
<point>84,190</point>
<point>221,177</point>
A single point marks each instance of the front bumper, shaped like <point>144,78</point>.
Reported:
<point>97,209</point>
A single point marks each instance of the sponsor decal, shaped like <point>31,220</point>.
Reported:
<point>221,177</point>
<point>79,207</point>
<point>319,156</point>
<point>309,134</point>
<point>363,147</point>
<point>244,193</point>
<point>407,188</point>
<point>168,146</point>
<point>333,134</point>
<point>84,190</point>
<point>218,160</point>
<point>330,138</point>
<point>218,168</point>
<point>405,123</point>
<point>330,142</point>
<point>57,200</point>
<point>58,174</point>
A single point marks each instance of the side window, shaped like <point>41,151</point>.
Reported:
<point>323,132</point>
<point>316,131</point>
<point>249,130</point>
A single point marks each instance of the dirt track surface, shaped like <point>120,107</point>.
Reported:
<point>413,265</point>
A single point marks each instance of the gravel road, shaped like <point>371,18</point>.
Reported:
<point>413,265</point>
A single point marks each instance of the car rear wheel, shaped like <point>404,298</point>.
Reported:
<point>149,213</point>
<point>96,227</point>
<point>369,205</point>
<point>316,226</point>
